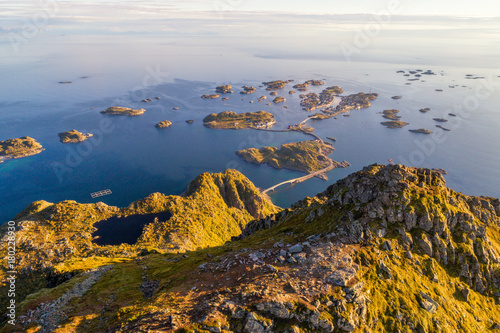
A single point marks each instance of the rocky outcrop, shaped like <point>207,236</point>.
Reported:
<point>73,136</point>
<point>386,249</point>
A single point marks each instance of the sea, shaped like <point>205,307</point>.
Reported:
<point>133,159</point>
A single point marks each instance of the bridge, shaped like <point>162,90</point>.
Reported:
<point>297,180</point>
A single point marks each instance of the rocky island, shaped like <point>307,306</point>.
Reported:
<point>224,89</point>
<point>391,114</point>
<point>19,147</point>
<point>350,102</point>
<point>233,120</point>
<point>306,156</point>
<point>421,131</point>
<point>275,85</point>
<point>440,120</point>
<point>279,99</point>
<point>122,111</point>
<point>303,86</point>
<point>394,124</point>
<point>73,136</point>
<point>248,90</point>
<point>213,96</point>
<point>163,124</point>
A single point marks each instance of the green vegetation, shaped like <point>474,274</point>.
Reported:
<point>56,239</point>
<point>306,156</point>
<point>122,111</point>
<point>233,120</point>
<point>73,136</point>
<point>371,223</point>
<point>17,148</point>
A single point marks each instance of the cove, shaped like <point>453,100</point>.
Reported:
<point>119,230</point>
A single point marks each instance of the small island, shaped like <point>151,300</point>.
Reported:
<point>394,124</point>
<point>19,147</point>
<point>443,128</point>
<point>224,89</point>
<point>279,99</point>
<point>213,96</point>
<point>397,97</point>
<point>441,120</point>
<point>122,111</point>
<point>73,136</point>
<point>233,120</point>
<point>305,156</point>
<point>163,124</point>
<point>190,121</point>
<point>303,86</point>
<point>421,131</point>
<point>391,114</point>
<point>248,90</point>
<point>275,85</point>
<point>425,110</point>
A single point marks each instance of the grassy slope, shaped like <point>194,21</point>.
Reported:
<point>391,297</point>
<point>214,208</point>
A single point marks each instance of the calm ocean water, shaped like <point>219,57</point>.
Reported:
<point>132,158</point>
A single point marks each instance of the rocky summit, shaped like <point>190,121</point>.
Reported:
<point>386,249</point>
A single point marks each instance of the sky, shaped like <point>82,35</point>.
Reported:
<point>222,17</point>
<point>476,8</point>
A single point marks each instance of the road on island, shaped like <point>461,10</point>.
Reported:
<point>297,180</point>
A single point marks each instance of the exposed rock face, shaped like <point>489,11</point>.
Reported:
<point>73,136</point>
<point>386,249</point>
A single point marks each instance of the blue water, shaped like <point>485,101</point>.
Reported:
<point>118,230</point>
<point>132,158</point>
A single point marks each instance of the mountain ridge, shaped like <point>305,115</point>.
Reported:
<point>386,249</point>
